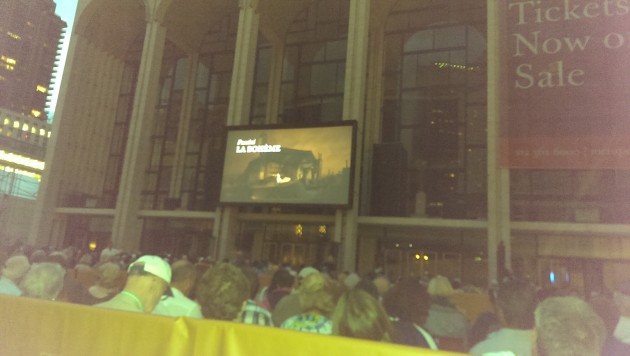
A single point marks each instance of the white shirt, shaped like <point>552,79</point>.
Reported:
<point>178,305</point>
<point>622,331</point>
<point>518,342</point>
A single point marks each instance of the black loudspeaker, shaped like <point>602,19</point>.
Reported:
<point>389,180</point>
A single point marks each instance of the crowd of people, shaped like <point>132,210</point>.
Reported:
<point>415,312</point>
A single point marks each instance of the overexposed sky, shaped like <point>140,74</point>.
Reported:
<point>65,9</point>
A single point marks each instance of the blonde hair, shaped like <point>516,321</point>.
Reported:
<point>358,314</point>
<point>317,292</point>
<point>440,286</point>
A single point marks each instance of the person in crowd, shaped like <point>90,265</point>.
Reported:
<point>382,284</point>
<point>604,305</point>
<point>85,262</point>
<point>290,305</point>
<point>108,253</point>
<point>486,323</point>
<point>111,279</point>
<point>407,304</point>
<point>43,281</point>
<point>253,313</point>
<point>222,292</point>
<point>178,303</point>
<point>317,296</point>
<point>280,286</point>
<point>368,286</point>
<point>515,303</point>
<point>147,280</point>
<point>568,326</point>
<point>352,279</point>
<point>445,322</point>
<point>359,315</point>
<point>622,300</point>
<point>14,269</point>
<point>38,256</point>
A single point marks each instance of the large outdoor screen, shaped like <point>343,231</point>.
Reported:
<point>280,165</point>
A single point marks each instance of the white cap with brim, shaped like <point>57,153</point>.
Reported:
<point>154,265</point>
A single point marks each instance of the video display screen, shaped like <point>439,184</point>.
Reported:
<point>279,165</point>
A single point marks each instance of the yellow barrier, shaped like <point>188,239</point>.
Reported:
<point>43,328</point>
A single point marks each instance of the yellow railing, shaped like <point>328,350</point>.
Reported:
<point>46,328</point>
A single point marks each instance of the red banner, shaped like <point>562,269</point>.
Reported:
<point>567,84</point>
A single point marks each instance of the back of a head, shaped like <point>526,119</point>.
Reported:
<point>282,278</point>
<point>16,267</point>
<point>320,293</point>
<point>221,292</point>
<point>360,315</point>
<point>43,281</point>
<point>568,326</point>
<point>110,275</point>
<point>517,301</point>
<point>440,286</point>
<point>254,281</point>
<point>408,300</point>
<point>183,270</point>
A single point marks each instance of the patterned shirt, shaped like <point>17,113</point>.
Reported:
<point>255,315</point>
<point>311,322</point>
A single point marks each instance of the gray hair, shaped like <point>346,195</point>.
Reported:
<point>43,281</point>
<point>568,326</point>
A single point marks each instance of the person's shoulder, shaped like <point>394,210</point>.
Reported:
<point>504,340</point>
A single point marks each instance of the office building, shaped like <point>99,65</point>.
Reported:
<point>30,35</point>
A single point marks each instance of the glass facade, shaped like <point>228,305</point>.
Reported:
<point>433,112</point>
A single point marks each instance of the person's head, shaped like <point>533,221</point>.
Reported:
<point>222,291</point>
<point>282,278</point>
<point>440,286</point>
<point>148,277</point>
<point>568,326</point>
<point>38,256</point>
<point>368,286</point>
<point>515,302</point>
<point>110,275</point>
<point>382,284</point>
<point>43,281</point>
<point>86,259</point>
<point>353,279</point>
<point>305,272</point>
<point>408,300</point>
<point>360,315</point>
<point>254,281</point>
<point>57,257</point>
<point>15,268</point>
<point>319,293</point>
<point>184,276</point>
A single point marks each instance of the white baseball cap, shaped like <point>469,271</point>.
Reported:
<point>154,265</point>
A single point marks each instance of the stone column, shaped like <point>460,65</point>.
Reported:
<point>275,83</point>
<point>183,130</point>
<point>239,109</point>
<point>498,177</point>
<point>373,112</point>
<point>127,227</point>
<point>354,109</point>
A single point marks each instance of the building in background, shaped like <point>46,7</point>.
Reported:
<point>30,40</point>
<point>149,87</point>
<point>30,37</point>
